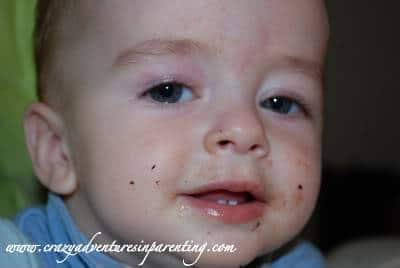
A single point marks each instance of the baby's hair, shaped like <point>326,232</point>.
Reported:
<point>48,16</point>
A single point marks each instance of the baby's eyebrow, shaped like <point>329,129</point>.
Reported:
<point>307,67</point>
<point>183,47</point>
<point>156,47</point>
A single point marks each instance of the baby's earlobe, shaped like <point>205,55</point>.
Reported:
<point>46,146</point>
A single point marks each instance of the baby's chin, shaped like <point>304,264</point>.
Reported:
<point>221,260</point>
<point>243,255</point>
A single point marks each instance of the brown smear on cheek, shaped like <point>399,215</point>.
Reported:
<point>303,164</point>
<point>300,187</point>
<point>278,201</point>
<point>284,203</point>
<point>299,196</point>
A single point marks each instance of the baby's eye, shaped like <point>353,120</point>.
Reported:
<point>170,92</point>
<point>282,105</point>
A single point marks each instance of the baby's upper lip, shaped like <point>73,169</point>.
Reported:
<point>252,187</point>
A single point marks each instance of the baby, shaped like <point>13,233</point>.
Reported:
<point>176,122</point>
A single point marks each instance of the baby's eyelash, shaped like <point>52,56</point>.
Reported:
<point>305,106</point>
<point>169,92</point>
<point>286,104</point>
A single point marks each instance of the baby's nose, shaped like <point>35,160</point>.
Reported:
<point>240,132</point>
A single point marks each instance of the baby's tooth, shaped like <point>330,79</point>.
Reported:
<point>232,202</point>
<point>221,202</point>
<point>227,202</point>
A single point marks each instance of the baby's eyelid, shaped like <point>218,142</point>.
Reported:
<point>295,106</point>
<point>159,83</point>
<point>298,94</point>
<point>185,92</point>
<point>154,84</point>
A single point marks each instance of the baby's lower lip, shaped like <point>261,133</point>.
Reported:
<point>229,214</point>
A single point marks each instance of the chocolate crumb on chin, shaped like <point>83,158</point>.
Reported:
<point>153,167</point>
<point>131,182</point>
<point>158,182</point>
<point>256,226</point>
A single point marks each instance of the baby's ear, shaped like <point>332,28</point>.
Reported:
<point>48,148</point>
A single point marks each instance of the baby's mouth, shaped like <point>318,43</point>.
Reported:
<point>224,197</point>
<point>230,203</point>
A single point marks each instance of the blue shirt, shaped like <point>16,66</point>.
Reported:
<point>304,255</point>
<point>52,224</point>
<point>9,236</point>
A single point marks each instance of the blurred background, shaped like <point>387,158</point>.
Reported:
<point>17,186</point>
<point>360,194</point>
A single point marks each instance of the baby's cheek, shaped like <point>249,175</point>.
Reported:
<point>295,192</point>
<point>306,178</point>
<point>302,198</point>
<point>299,196</point>
<point>291,199</point>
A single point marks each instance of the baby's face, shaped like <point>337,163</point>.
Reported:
<point>197,120</point>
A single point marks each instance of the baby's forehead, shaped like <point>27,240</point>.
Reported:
<point>153,9</point>
<point>253,23</point>
<point>218,20</point>
<point>117,25</point>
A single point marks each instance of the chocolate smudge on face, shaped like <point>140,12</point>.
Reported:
<point>153,167</point>
<point>300,187</point>
<point>158,182</point>
<point>303,163</point>
<point>299,198</point>
<point>131,182</point>
<point>256,226</point>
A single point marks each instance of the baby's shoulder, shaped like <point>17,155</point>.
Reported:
<point>12,250</point>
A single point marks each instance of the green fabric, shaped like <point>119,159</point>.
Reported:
<point>17,82</point>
